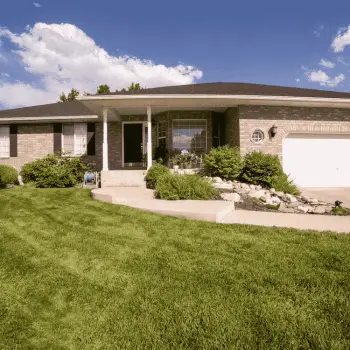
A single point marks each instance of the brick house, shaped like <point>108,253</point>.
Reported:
<point>308,129</point>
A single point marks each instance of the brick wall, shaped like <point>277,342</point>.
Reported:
<point>288,120</point>
<point>33,141</point>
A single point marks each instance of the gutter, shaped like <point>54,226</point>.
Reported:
<point>215,97</point>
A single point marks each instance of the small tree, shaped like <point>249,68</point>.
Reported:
<point>103,89</point>
<point>132,87</point>
<point>72,95</point>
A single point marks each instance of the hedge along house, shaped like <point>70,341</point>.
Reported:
<point>308,129</point>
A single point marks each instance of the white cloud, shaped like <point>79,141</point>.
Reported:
<point>297,80</point>
<point>327,64</point>
<point>323,78</point>
<point>342,61</point>
<point>341,40</point>
<point>36,4</point>
<point>6,75</point>
<point>62,56</point>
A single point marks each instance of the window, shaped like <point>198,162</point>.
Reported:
<point>74,139</point>
<point>161,134</point>
<point>4,141</point>
<point>257,136</point>
<point>190,135</point>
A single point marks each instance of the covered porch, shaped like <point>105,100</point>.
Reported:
<point>132,129</point>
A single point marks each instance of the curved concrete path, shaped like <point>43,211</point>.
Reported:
<point>142,198</point>
<point>218,211</point>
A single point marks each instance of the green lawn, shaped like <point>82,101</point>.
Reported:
<point>81,274</point>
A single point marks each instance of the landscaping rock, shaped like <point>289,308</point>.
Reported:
<point>258,187</point>
<point>328,209</point>
<point>291,198</point>
<point>257,194</point>
<point>233,197</point>
<point>245,186</point>
<point>223,186</point>
<point>280,194</point>
<point>304,208</point>
<point>293,204</point>
<point>319,210</point>
<point>9,186</point>
<point>284,209</point>
<point>217,180</point>
<point>313,201</point>
<point>305,199</point>
<point>252,187</point>
<point>263,199</point>
<point>275,200</point>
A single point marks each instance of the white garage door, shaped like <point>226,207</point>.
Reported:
<point>317,160</point>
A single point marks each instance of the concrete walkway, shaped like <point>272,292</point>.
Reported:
<point>142,198</point>
<point>329,195</point>
<point>218,211</point>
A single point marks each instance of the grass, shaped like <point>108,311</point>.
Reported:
<point>81,274</point>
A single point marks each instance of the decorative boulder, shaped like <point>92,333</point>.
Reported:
<point>304,208</point>
<point>319,210</point>
<point>275,200</point>
<point>233,197</point>
<point>257,194</point>
<point>217,180</point>
<point>222,186</point>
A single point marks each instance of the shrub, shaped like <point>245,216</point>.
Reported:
<point>281,182</point>
<point>154,174</point>
<point>339,211</point>
<point>176,187</point>
<point>8,175</point>
<point>225,162</point>
<point>54,171</point>
<point>260,168</point>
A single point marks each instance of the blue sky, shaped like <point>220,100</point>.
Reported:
<point>48,46</point>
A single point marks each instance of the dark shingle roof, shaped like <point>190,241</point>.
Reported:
<point>69,108</point>
<point>237,89</point>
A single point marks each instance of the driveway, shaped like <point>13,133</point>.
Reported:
<point>329,194</point>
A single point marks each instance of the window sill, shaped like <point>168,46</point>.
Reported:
<point>5,157</point>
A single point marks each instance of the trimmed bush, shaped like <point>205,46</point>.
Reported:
<point>154,174</point>
<point>281,182</point>
<point>54,171</point>
<point>176,187</point>
<point>8,175</point>
<point>225,162</point>
<point>260,168</point>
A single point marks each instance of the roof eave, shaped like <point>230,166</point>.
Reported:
<point>248,98</point>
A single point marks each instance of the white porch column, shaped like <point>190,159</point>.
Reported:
<point>149,136</point>
<point>105,141</point>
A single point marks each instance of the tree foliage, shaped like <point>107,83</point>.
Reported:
<point>72,95</point>
<point>103,89</point>
<point>132,87</point>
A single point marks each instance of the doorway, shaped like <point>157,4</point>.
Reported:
<point>132,144</point>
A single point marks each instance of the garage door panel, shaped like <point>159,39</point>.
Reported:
<point>317,161</point>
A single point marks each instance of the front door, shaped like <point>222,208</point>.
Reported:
<point>133,144</point>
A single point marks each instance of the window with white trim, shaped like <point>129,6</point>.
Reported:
<point>4,141</point>
<point>190,135</point>
<point>74,139</point>
<point>161,134</point>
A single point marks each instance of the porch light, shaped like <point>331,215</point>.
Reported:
<point>273,130</point>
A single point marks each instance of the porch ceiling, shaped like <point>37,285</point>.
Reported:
<point>127,105</point>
